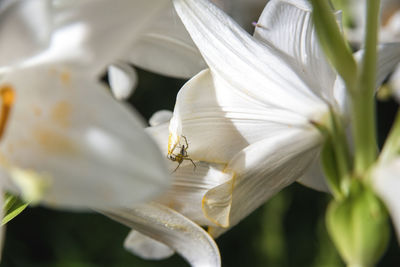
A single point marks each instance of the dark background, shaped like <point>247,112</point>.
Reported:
<point>289,230</point>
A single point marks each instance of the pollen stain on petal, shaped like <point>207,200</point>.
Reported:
<point>54,142</point>
<point>65,77</point>
<point>37,111</point>
<point>61,114</point>
<point>10,148</point>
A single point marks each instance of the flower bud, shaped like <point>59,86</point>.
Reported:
<point>358,225</point>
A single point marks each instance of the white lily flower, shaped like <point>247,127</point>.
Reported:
<point>389,30</point>
<point>62,133</point>
<point>253,110</point>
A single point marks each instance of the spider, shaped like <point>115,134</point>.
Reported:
<point>181,156</point>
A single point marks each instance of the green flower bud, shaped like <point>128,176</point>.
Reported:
<point>359,226</point>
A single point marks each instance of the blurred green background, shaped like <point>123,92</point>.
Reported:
<point>289,230</point>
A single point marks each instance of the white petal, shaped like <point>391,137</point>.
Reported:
<point>388,58</point>
<point>314,177</point>
<point>219,120</point>
<point>391,31</point>
<point>171,228</point>
<point>257,71</point>
<point>386,181</point>
<point>189,187</point>
<point>288,25</point>
<point>72,133</point>
<point>92,34</point>
<point>260,171</point>
<point>123,80</point>
<point>167,40</point>
<point>146,247</point>
<point>24,29</point>
<point>160,117</point>
<point>164,46</point>
<point>395,82</point>
<point>159,133</point>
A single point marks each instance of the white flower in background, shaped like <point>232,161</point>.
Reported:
<point>247,120</point>
<point>389,30</point>
<point>64,140</point>
<point>164,46</point>
<point>355,29</point>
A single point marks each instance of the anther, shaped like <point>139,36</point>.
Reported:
<point>7,95</point>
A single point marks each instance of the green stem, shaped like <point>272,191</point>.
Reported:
<point>341,147</point>
<point>334,45</point>
<point>363,106</point>
<point>363,122</point>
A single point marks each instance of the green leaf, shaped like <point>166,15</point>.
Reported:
<point>329,166</point>
<point>12,207</point>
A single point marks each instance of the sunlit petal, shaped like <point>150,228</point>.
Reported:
<point>299,41</point>
<point>260,171</point>
<point>189,183</point>
<point>219,121</point>
<point>171,228</point>
<point>257,71</point>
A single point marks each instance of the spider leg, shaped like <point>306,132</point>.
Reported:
<point>192,163</point>
<point>187,144</point>
<point>179,164</point>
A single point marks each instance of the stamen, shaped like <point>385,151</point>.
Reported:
<point>7,95</point>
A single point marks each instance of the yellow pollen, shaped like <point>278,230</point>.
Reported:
<point>7,95</point>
